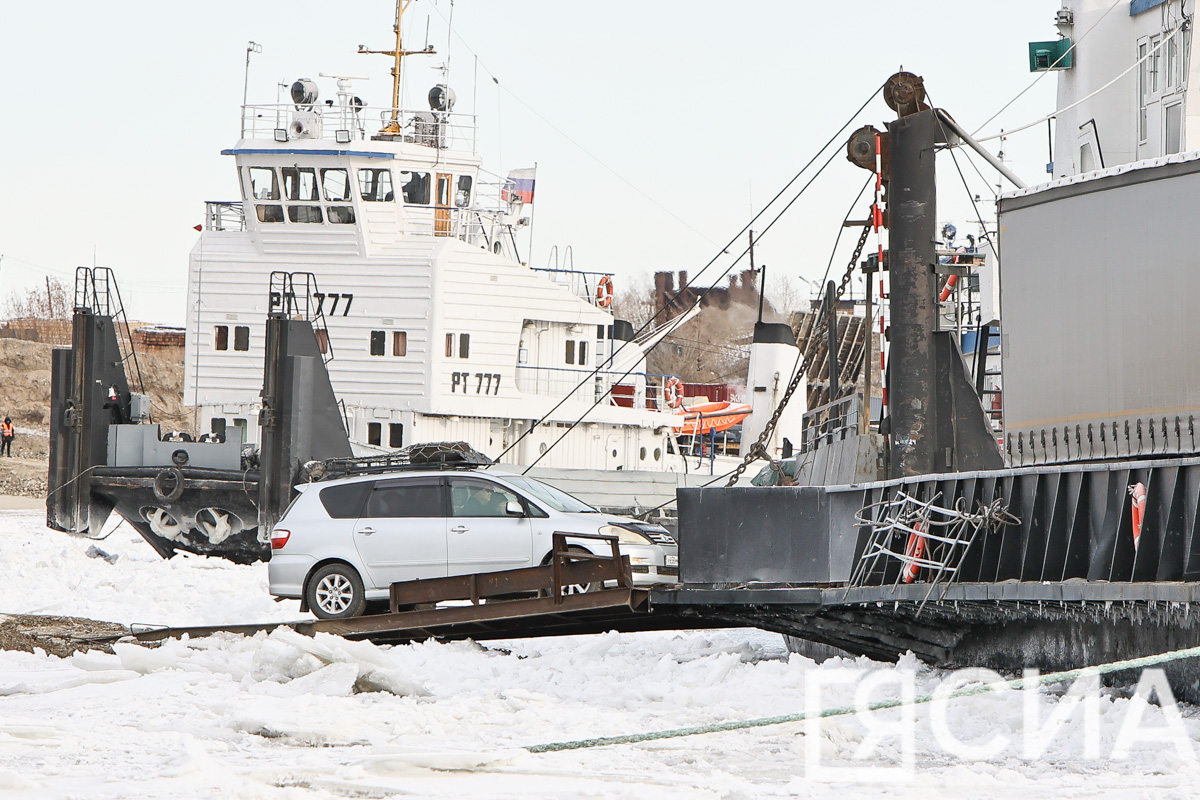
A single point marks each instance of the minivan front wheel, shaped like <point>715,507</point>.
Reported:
<point>335,591</point>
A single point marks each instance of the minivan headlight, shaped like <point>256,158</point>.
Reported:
<point>624,535</point>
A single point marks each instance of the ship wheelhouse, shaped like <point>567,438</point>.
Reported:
<point>431,326</point>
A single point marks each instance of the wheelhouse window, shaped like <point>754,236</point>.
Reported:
<point>241,338</point>
<point>415,187</point>
<point>305,214</point>
<point>336,185</point>
<point>462,197</point>
<point>300,184</point>
<point>375,185</point>
<point>264,185</point>
<point>221,337</point>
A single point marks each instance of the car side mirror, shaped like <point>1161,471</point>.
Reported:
<point>513,509</point>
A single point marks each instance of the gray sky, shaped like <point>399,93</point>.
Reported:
<point>657,127</point>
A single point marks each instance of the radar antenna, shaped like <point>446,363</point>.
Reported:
<point>398,53</point>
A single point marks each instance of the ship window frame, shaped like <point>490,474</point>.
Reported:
<point>340,215</point>
<point>293,190</point>
<point>347,195</point>
<point>395,435</point>
<point>371,189</point>
<point>221,338</point>
<point>374,433</point>
<point>570,355</point>
<point>1143,86</point>
<point>305,215</point>
<point>241,338</point>
<point>449,345</point>
<point>464,345</point>
<point>377,345</point>
<point>421,185</point>
<point>269,214</point>
<point>273,193</point>
<point>582,353</point>
<point>399,343</point>
<point>462,193</point>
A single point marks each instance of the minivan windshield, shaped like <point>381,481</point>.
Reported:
<point>555,498</point>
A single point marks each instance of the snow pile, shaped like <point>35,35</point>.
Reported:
<point>286,716</point>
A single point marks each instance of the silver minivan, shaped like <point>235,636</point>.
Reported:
<point>342,543</point>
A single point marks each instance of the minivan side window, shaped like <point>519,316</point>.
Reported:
<point>408,499</point>
<point>479,499</point>
<point>346,501</point>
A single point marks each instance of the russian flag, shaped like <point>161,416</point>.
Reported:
<point>518,186</point>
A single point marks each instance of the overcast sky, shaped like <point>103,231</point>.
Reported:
<point>657,127</point>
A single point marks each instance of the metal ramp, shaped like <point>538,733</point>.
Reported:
<point>508,604</point>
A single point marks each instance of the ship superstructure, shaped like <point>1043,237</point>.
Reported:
<point>433,326</point>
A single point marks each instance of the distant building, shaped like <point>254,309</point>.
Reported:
<point>742,290</point>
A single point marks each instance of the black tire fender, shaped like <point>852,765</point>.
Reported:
<point>171,477</point>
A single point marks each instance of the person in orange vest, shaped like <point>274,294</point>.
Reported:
<point>6,436</point>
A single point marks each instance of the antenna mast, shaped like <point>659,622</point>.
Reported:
<point>398,53</point>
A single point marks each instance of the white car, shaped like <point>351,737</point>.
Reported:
<point>342,543</point>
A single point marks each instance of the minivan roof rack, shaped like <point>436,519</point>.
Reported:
<point>432,455</point>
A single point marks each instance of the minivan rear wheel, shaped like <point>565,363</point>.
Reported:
<point>336,592</point>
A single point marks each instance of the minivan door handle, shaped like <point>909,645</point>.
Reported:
<point>460,529</point>
<point>367,531</point>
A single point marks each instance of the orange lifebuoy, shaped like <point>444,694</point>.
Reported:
<point>1137,494</point>
<point>604,292</point>
<point>915,548</point>
<point>673,392</point>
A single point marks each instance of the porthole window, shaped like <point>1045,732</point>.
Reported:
<point>657,453</point>
<point>642,454</point>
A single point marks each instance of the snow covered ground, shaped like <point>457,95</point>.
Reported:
<point>283,716</point>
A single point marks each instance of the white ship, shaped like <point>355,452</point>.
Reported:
<point>436,327</point>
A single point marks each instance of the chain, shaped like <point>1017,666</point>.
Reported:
<point>759,448</point>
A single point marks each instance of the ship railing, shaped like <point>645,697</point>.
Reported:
<point>345,124</point>
<point>580,283</point>
<point>224,216</point>
<point>616,388</point>
<point>831,422</point>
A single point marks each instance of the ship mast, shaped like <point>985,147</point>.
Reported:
<point>398,53</point>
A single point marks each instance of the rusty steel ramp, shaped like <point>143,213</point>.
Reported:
<point>576,592</point>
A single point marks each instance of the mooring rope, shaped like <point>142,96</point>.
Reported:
<point>969,691</point>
